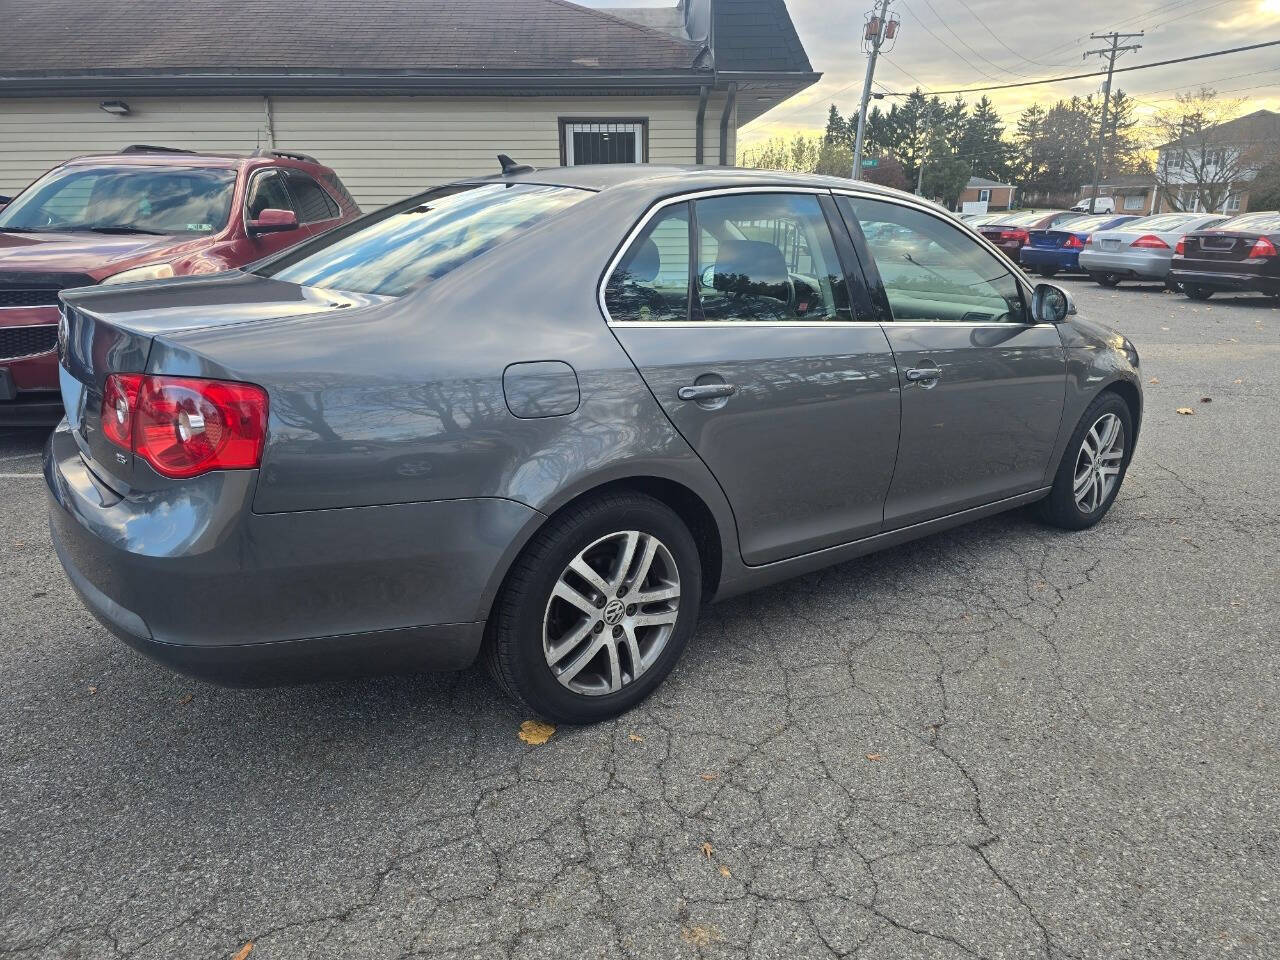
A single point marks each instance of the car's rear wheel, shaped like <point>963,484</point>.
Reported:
<point>1105,279</point>
<point>597,609</point>
<point>1093,466</point>
<point>1047,272</point>
<point>1196,293</point>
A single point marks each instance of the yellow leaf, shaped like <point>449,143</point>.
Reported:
<point>708,850</point>
<point>711,776</point>
<point>635,739</point>
<point>724,871</point>
<point>1186,411</point>
<point>1237,381</point>
<point>700,934</point>
<point>874,757</point>
<point>243,951</point>
<point>1154,380</point>
<point>183,701</point>
<point>536,732</point>
<point>93,690</point>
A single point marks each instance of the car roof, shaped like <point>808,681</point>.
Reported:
<point>663,180</point>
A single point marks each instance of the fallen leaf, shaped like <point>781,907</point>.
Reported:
<point>708,850</point>
<point>183,701</point>
<point>93,690</point>
<point>1185,411</point>
<point>536,732</point>
<point>635,739</point>
<point>700,934</point>
<point>711,776</point>
<point>1154,380</point>
<point>1206,399</point>
<point>243,951</point>
<point>1237,381</point>
<point>1232,340</point>
<point>874,757</point>
<point>1164,328</point>
<point>724,871</point>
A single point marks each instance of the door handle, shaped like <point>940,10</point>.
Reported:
<point>706,391</point>
<point>924,373</point>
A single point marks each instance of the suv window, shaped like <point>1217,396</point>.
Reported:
<point>932,270</point>
<point>767,257</point>
<point>268,192</point>
<point>313,203</point>
<point>150,199</point>
<point>411,242</point>
<point>651,281</point>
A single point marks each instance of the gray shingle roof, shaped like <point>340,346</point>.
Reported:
<point>64,37</point>
<point>757,35</point>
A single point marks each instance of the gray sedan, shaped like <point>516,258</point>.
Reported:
<point>542,417</point>
<point>1140,249</point>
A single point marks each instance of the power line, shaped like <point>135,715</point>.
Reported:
<point>1100,73</point>
<point>919,20</point>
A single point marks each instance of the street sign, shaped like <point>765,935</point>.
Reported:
<point>869,162</point>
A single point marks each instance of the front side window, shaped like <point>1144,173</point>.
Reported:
<point>407,244</point>
<point>767,257</point>
<point>124,199</point>
<point>932,271</point>
<point>651,281</point>
<point>313,203</point>
<point>268,192</point>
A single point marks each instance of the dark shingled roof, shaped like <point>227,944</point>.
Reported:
<point>757,35</point>
<point>77,37</point>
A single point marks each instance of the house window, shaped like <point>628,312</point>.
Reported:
<point>984,196</point>
<point>1134,201</point>
<point>603,141</point>
<point>1233,204</point>
<point>1173,162</point>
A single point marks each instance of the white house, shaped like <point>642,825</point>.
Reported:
<point>1212,168</point>
<point>393,94</point>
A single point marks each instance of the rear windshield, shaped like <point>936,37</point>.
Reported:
<point>1085,224</point>
<point>1166,221</point>
<point>407,244</point>
<point>1024,218</point>
<point>124,199</point>
<point>1267,220</point>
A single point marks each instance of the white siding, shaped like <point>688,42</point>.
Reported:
<point>383,147</point>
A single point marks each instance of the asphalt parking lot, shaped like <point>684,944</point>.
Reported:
<point>1004,741</point>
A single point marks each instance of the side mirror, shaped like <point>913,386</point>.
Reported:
<point>1050,304</point>
<point>274,221</point>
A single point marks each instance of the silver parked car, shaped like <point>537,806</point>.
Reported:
<point>1140,249</point>
<point>543,417</point>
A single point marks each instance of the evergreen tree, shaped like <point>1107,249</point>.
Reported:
<point>982,143</point>
<point>838,129</point>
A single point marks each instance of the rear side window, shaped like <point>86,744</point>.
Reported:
<point>651,281</point>
<point>339,189</point>
<point>407,244</point>
<point>313,203</point>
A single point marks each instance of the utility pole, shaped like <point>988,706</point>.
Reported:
<point>879,28</point>
<point>1110,53</point>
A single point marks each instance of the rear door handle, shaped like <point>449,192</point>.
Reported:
<point>924,373</point>
<point>706,391</point>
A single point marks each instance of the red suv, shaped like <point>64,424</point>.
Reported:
<point>140,214</point>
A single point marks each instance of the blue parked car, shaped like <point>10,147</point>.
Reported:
<point>1053,250</point>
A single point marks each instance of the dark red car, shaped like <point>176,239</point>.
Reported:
<point>1013,232</point>
<point>141,214</point>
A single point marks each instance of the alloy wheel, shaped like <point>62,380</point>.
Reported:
<point>1098,463</point>
<point>611,613</point>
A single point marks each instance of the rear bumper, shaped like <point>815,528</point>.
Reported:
<point>191,577</point>
<point>1221,280</point>
<point>1128,263</point>
<point>1048,257</point>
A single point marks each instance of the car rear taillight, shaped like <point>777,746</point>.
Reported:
<point>1015,236</point>
<point>1150,242</point>
<point>1073,242</point>
<point>183,426</point>
<point>1262,247</point>
<point>1180,249</point>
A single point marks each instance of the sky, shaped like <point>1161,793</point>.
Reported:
<point>943,44</point>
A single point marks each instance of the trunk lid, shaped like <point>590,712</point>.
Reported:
<point>1220,245</point>
<point>108,330</point>
<point>1050,239</point>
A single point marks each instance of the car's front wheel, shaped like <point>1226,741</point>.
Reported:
<point>1105,279</point>
<point>1047,272</point>
<point>597,609</point>
<point>1093,466</point>
<point>1196,293</point>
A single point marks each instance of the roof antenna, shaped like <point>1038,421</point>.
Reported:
<point>510,167</point>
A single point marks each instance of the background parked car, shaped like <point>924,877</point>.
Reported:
<point>1141,249</point>
<point>142,214</point>
<point>1049,251</point>
<point>1009,232</point>
<point>1237,254</point>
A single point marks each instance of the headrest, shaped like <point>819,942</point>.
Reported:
<point>645,263</point>
<point>751,266</point>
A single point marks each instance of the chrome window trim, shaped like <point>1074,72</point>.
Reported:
<point>30,326</point>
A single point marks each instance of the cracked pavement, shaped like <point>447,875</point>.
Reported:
<point>1003,741</point>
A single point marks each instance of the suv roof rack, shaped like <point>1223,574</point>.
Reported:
<point>286,154</point>
<point>148,148</point>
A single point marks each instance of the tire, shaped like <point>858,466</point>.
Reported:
<point>1047,272</point>
<point>1172,285</point>
<point>532,613</point>
<point>1196,293</point>
<point>1060,508</point>
<point>1105,279</point>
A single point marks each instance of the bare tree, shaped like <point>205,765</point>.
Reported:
<point>1201,163</point>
